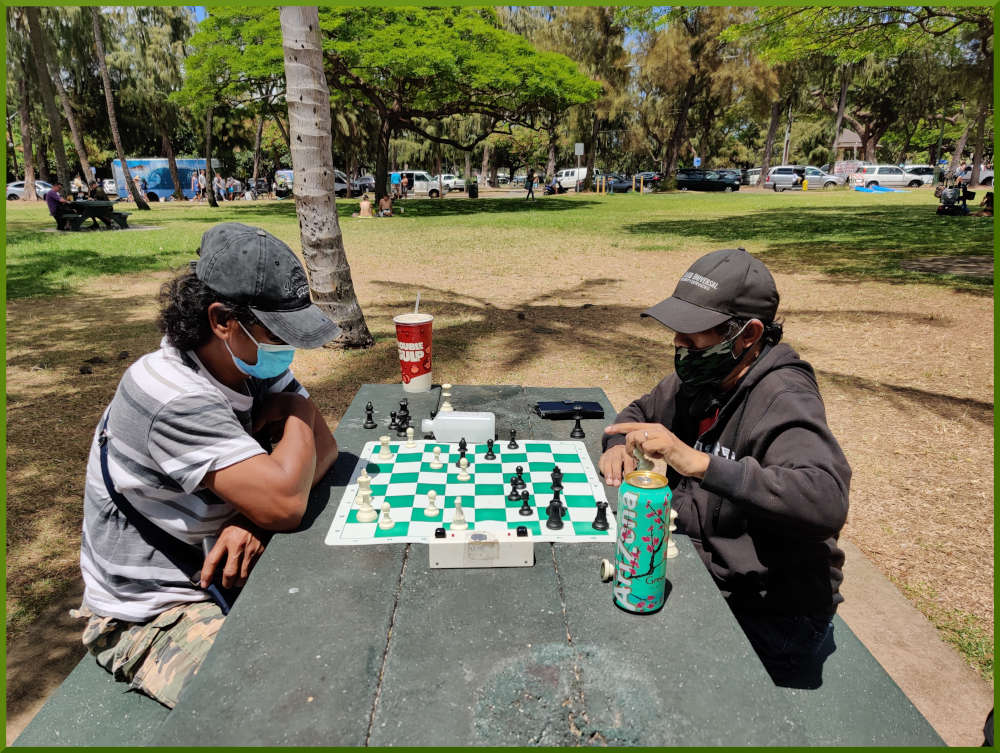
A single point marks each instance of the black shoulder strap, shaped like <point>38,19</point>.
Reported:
<point>185,557</point>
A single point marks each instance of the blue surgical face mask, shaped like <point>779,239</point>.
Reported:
<point>272,360</point>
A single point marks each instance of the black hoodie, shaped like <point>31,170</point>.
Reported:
<point>766,517</point>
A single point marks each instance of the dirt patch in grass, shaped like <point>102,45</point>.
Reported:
<point>906,371</point>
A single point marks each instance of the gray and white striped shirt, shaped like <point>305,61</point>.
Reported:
<point>169,423</point>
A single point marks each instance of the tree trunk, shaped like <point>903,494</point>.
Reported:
<point>48,99</point>
<point>841,106</point>
<point>550,165</point>
<point>112,118</point>
<point>256,148</point>
<point>24,112</point>
<point>468,170</point>
<point>484,173</point>
<point>308,98</point>
<point>772,130</point>
<point>42,159</point>
<point>168,149</point>
<point>209,172</point>
<point>977,154</point>
<point>680,128</point>
<point>956,156</point>
<point>588,178</point>
<point>787,148</point>
<point>382,158</point>
<point>281,127</point>
<point>13,153</point>
<point>74,130</point>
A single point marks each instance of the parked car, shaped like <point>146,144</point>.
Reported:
<point>649,179</point>
<point>109,186</point>
<point>926,172</point>
<point>15,190</point>
<point>613,183</point>
<point>753,176</point>
<point>420,182</point>
<point>781,177</point>
<point>451,182</point>
<point>885,175</point>
<point>571,176</point>
<point>693,179</point>
<point>366,183</point>
<point>735,172</point>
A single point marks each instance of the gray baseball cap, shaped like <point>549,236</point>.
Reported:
<point>248,265</point>
<point>719,286</point>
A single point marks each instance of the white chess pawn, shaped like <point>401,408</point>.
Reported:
<point>431,510</point>
<point>445,390</point>
<point>671,546</point>
<point>384,452</point>
<point>366,513</point>
<point>386,521</point>
<point>458,521</point>
<point>463,474</point>
<point>436,463</point>
<point>446,406</point>
<point>409,437</point>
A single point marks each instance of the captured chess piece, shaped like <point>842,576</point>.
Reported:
<point>526,508</point>
<point>445,390</point>
<point>490,455</point>
<point>393,424</point>
<point>577,432</point>
<point>386,522</point>
<point>431,510</point>
<point>370,416</point>
<point>446,406</point>
<point>512,444</point>
<point>458,522</point>
<point>601,521</point>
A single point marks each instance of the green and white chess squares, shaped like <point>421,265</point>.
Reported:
<point>404,480</point>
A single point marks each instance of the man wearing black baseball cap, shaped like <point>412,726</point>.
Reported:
<point>183,481</point>
<point>759,483</point>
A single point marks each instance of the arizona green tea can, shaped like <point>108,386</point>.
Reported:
<point>640,557</point>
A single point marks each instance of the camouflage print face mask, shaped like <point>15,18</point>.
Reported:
<point>700,367</point>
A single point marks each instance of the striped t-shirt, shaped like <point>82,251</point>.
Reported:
<point>169,423</point>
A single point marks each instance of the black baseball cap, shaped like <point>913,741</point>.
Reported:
<point>248,265</point>
<point>719,286</point>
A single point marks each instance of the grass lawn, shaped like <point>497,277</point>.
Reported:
<point>891,303</point>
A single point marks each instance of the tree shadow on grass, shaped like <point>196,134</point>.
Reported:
<point>866,243</point>
<point>459,207</point>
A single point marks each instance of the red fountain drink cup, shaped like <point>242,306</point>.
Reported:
<point>413,336</point>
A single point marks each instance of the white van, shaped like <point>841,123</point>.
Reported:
<point>570,176</point>
<point>420,182</point>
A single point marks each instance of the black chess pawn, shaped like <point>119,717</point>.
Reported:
<point>601,521</point>
<point>577,432</point>
<point>526,508</point>
<point>554,513</point>
<point>512,444</point>
<point>392,420</point>
<point>519,477</point>
<point>490,455</point>
<point>369,416</point>
<point>461,454</point>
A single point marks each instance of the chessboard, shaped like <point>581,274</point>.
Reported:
<point>405,480</point>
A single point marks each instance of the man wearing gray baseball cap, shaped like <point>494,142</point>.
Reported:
<point>759,483</point>
<point>208,444</point>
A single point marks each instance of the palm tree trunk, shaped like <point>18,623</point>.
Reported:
<point>168,149</point>
<point>484,173</point>
<point>772,130</point>
<point>308,98</point>
<point>48,100</point>
<point>841,106</point>
<point>42,159</point>
<point>209,172</point>
<point>956,155</point>
<point>24,113</point>
<point>679,132</point>
<point>112,118</point>
<point>256,149</point>
<point>11,151</point>
<point>468,171</point>
<point>74,130</point>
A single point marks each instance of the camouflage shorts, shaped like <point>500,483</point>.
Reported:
<point>156,657</point>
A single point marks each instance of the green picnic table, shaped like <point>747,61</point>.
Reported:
<point>368,645</point>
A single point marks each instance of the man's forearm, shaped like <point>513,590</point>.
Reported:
<point>296,451</point>
<point>326,447</point>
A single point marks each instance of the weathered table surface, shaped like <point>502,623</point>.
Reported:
<point>368,646</point>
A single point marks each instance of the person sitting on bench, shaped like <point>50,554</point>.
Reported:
<point>59,207</point>
<point>179,493</point>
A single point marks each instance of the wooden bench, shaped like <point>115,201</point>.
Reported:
<point>91,709</point>
<point>121,218</point>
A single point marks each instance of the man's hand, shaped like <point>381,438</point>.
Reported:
<point>615,463</point>
<point>240,547</point>
<point>656,440</point>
